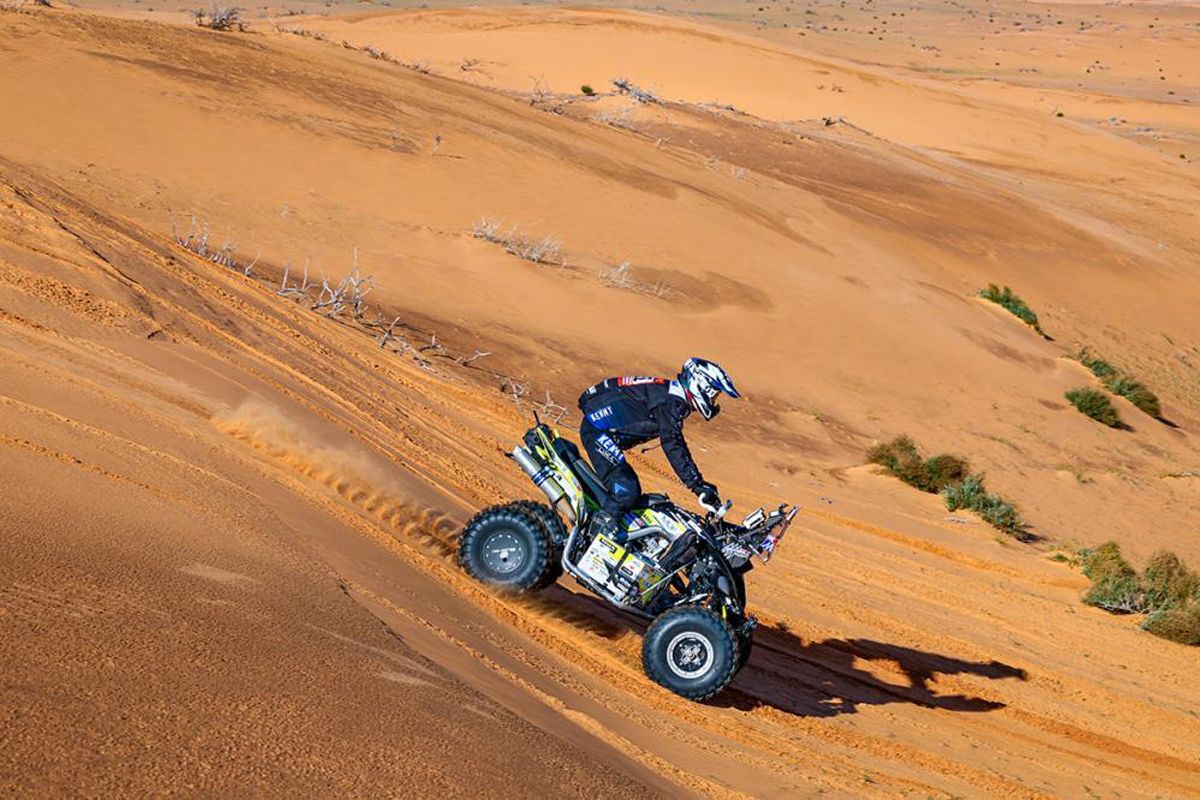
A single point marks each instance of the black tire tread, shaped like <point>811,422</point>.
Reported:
<point>662,677</point>
<point>745,644</point>
<point>558,536</point>
<point>545,553</point>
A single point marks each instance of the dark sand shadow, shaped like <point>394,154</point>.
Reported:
<point>811,679</point>
<point>831,677</point>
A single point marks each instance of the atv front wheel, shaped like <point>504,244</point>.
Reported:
<point>691,651</point>
<point>507,548</point>
<point>745,643</point>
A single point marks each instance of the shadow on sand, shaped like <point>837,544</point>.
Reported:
<point>815,678</point>
<point>835,676</point>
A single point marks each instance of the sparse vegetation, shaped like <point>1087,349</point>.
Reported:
<point>1166,591</point>
<point>1114,581</point>
<point>619,117</point>
<point>1167,582</point>
<point>620,277</point>
<point>547,250</point>
<point>1121,383</point>
<point>903,460</point>
<point>630,89</point>
<point>345,301</point>
<point>995,510</point>
<point>1095,404</point>
<point>196,241</point>
<point>949,476</point>
<point>220,18</point>
<point>1013,303</point>
<point>1177,624</point>
<point>588,90</point>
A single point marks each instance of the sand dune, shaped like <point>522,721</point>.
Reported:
<point>216,495</point>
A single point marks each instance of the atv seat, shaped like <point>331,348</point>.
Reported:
<point>651,500</point>
<point>592,487</point>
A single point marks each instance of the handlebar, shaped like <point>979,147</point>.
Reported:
<point>718,512</point>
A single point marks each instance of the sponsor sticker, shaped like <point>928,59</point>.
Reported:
<point>610,449</point>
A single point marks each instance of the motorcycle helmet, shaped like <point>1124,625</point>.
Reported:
<point>703,381</point>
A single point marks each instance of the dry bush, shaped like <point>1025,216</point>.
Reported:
<point>620,277</point>
<point>619,117</point>
<point>547,250</point>
<point>349,293</point>
<point>196,241</point>
<point>221,18</point>
<point>630,89</point>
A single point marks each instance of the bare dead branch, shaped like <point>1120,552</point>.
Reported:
<point>630,89</point>
<point>467,360</point>
<point>547,250</point>
<point>620,277</point>
<point>553,409</point>
<point>220,18</point>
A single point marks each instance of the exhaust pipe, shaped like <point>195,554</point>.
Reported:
<point>543,478</point>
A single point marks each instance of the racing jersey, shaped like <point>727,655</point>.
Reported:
<point>635,409</point>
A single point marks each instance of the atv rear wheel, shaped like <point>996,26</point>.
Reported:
<point>691,651</point>
<point>508,548</point>
<point>558,537</point>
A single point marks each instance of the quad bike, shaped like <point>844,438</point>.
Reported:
<point>682,570</point>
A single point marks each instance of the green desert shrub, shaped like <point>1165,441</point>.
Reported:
<point>899,455</point>
<point>971,494</point>
<point>1099,367</point>
<point>1180,624</point>
<point>1167,582</point>
<point>1096,405</point>
<point>1137,393</point>
<point>1121,383</point>
<point>588,90</point>
<point>1166,590</point>
<point>902,458</point>
<point>950,477</point>
<point>944,471</point>
<point>1008,299</point>
<point>1115,586</point>
<point>967,494</point>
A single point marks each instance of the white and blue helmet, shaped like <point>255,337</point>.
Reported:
<point>704,380</point>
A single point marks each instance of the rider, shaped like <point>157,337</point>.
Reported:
<point>620,413</point>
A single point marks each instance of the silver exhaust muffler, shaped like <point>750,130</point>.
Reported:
<point>543,478</point>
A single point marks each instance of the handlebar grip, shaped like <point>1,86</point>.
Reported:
<point>718,511</point>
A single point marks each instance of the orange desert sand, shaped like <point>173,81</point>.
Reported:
<point>229,521</point>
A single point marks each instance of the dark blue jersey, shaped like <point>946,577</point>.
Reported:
<point>634,410</point>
